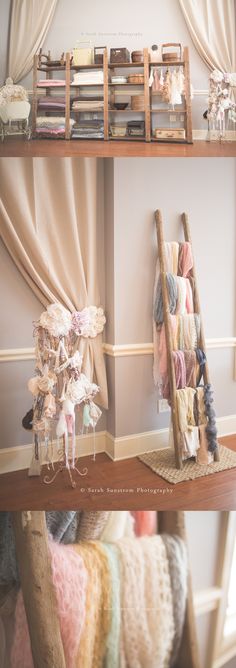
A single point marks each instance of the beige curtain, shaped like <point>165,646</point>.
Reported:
<point>48,222</point>
<point>211,24</point>
<point>30,21</point>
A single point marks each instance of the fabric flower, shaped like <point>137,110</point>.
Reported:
<point>56,319</point>
<point>89,322</point>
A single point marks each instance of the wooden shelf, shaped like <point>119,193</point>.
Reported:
<point>57,68</point>
<point>162,63</point>
<point>86,67</point>
<point>75,85</point>
<point>125,84</point>
<point>168,111</point>
<point>118,66</point>
<point>109,91</point>
<point>126,111</point>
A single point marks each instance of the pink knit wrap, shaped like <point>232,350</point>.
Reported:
<point>69,577</point>
<point>145,522</point>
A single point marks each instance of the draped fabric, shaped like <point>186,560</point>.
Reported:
<point>30,22</point>
<point>49,222</point>
<point>211,24</point>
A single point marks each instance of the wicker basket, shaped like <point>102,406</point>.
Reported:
<point>119,55</point>
<point>136,79</point>
<point>137,56</point>
<point>118,130</point>
<point>137,102</point>
<point>169,56</point>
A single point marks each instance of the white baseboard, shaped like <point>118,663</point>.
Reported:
<point>124,447</point>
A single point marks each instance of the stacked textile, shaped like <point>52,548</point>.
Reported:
<point>88,130</point>
<point>120,604</point>
<point>196,416</point>
<point>52,127</point>
<point>93,77</point>
<point>51,103</point>
<point>51,83</point>
<point>88,105</point>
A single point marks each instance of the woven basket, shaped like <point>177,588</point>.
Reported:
<point>118,130</point>
<point>136,79</point>
<point>137,56</point>
<point>137,102</point>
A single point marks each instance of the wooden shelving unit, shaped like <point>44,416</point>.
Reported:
<point>109,93</point>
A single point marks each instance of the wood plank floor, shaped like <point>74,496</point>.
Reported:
<point>104,482</point>
<point>13,147</point>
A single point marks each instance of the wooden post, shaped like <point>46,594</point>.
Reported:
<point>174,523</point>
<point>67,95</point>
<point>169,344</point>
<point>197,309</point>
<point>105,95</point>
<point>189,123</point>
<point>146,95</point>
<point>38,591</point>
<point>35,94</point>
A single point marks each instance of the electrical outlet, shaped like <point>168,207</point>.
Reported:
<point>163,406</point>
<point>172,118</point>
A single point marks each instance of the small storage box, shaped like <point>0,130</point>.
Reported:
<point>83,54</point>
<point>163,133</point>
<point>168,56</point>
<point>136,128</point>
<point>137,102</point>
<point>121,55</point>
<point>137,56</point>
<point>118,130</point>
<point>98,54</point>
<point>136,79</point>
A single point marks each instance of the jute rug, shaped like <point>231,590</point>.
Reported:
<point>162,462</point>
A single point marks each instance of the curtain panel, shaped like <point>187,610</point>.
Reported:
<point>211,24</point>
<point>48,211</point>
<point>29,25</point>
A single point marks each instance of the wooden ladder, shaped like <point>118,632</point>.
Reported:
<point>168,330</point>
<point>33,560</point>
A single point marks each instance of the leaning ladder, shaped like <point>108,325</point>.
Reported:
<point>168,330</point>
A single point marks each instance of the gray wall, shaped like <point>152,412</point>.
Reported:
<point>205,189</point>
<point>134,26</point>
<point>204,529</point>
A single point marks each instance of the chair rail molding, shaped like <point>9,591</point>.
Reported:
<point>117,350</point>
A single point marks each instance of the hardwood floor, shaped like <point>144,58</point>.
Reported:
<point>104,482</point>
<point>13,147</point>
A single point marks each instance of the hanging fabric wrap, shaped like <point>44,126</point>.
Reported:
<point>59,385</point>
<point>211,429</point>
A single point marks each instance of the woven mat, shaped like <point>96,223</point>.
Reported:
<point>162,462</point>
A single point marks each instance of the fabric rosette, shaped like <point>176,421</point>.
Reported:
<point>56,320</point>
<point>89,322</point>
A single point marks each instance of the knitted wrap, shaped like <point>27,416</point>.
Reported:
<point>147,613</point>
<point>178,567</point>
<point>8,568</point>
<point>113,638</point>
<point>135,636</point>
<point>98,603</point>
<point>145,522</point>
<point>159,601</point>
<point>71,598</point>
<point>119,524</point>
<point>62,525</point>
<point>91,524</point>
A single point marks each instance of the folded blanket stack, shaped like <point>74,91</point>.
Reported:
<point>52,126</point>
